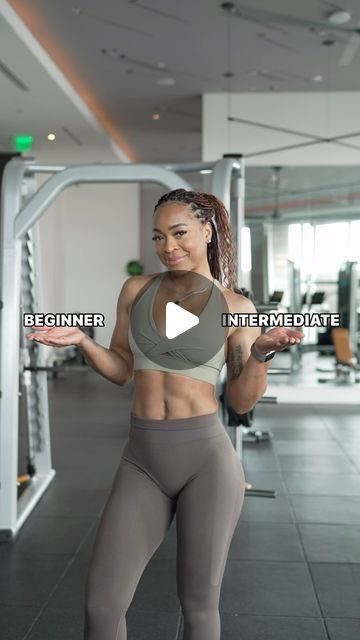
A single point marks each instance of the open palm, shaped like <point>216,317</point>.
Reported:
<point>57,336</point>
<point>278,339</point>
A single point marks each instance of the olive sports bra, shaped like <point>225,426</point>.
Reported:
<point>186,353</point>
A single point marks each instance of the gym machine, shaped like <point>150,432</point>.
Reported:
<point>346,338</point>
<point>23,367</point>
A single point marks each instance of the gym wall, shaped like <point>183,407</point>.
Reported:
<point>87,236</point>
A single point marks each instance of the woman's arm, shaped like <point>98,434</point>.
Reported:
<point>114,363</point>
<point>246,376</point>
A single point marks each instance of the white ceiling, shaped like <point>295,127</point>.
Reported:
<point>114,54</point>
<point>120,49</point>
<point>32,102</point>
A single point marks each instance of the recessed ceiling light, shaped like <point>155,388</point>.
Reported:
<point>204,171</point>
<point>339,17</point>
<point>317,78</point>
<point>156,116</point>
<point>51,136</point>
<point>165,82</point>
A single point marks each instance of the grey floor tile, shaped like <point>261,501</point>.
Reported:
<point>314,432</point>
<point>49,536</point>
<point>344,430</point>
<point>344,423</point>
<point>240,627</point>
<point>107,427</point>
<point>266,480</point>
<point>338,589</point>
<point>70,590</point>
<point>253,541</point>
<point>68,502</point>
<point>326,484</point>
<point>355,459</point>
<point>168,547</point>
<point>267,592</point>
<point>351,445</point>
<point>256,509</point>
<point>325,463</point>
<point>288,417</point>
<point>80,478</point>
<point>157,590</point>
<point>28,579</point>
<point>87,453</point>
<point>15,621</point>
<point>305,447</point>
<point>331,542</point>
<point>256,458</point>
<point>58,624</point>
<point>155,625</point>
<point>340,629</point>
<point>268,588</point>
<point>327,509</point>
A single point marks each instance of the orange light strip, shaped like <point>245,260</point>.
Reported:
<point>37,25</point>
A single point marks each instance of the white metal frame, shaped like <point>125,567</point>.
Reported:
<point>20,212</point>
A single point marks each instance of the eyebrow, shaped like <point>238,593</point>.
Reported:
<point>180,224</point>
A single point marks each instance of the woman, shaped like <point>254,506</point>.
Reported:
<point>178,457</point>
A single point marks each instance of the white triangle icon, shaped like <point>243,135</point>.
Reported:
<point>178,320</point>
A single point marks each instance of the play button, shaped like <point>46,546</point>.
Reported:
<point>178,320</point>
<point>175,322</point>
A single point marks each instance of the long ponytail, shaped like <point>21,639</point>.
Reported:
<point>221,251</point>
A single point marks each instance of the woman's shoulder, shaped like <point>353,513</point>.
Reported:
<point>237,302</point>
<point>136,284</point>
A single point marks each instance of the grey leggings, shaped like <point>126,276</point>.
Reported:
<point>186,466</point>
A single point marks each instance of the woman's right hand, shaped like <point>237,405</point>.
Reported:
<point>57,336</point>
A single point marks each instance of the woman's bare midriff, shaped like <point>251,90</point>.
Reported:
<point>161,395</point>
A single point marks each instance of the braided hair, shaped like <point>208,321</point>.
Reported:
<point>221,250</point>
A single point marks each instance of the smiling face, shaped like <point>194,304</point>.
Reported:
<point>180,238</point>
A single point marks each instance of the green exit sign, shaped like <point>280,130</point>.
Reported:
<point>23,142</point>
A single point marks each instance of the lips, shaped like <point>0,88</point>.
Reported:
<point>176,260</point>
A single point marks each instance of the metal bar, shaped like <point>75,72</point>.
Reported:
<point>221,179</point>
<point>38,168</point>
<point>261,493</point>
<point>268,400</point>
<point>335,139</point>
<point>59,367</point>
<point>188,167</point>
<point>281,371</point>
<point>10,256</point>
<point>14,227</point>
<point>183,167</point>
<point>106,173</point>
<point>239,196</point>
<point>31,496</point>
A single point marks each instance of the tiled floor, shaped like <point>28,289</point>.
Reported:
<point>293,571</point>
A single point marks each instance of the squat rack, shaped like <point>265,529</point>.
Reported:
<point>22,204</point>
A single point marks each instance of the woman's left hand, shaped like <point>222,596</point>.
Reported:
<point>278,339</point>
